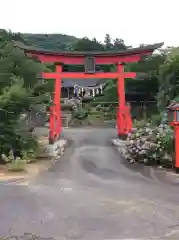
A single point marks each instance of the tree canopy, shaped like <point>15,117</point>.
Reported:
<point>19,92</point>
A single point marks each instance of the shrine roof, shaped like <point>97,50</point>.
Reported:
<point>82,82</point>
<point>92,82</point>
<point>173,106</point>
<point>131,51</point>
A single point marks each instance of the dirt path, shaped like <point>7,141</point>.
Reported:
<point>91,194</point>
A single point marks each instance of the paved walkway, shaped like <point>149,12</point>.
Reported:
<point>91,194</point>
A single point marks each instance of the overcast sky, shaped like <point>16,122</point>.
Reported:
<point>135,21</point>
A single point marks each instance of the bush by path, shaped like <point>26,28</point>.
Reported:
<point>151,146</point>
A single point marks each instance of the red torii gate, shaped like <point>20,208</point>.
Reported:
<point>90,60</point>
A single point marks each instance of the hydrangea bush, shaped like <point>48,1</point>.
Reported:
<point>151,145</point>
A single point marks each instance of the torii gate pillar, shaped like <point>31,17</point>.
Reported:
<point>124,120</point>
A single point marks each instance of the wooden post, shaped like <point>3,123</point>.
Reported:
<point>52,125</point>
<point>177,148</point>
<point>124,122</point>
<point>121,90</point>
<point>121,100</point>
<point>68,93</point>
<point>57,98</point>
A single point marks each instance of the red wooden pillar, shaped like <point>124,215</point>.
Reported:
<point>55,110</point>
<point>52,125</point>
<point>121,100</point>
<point>177,148</point>
<point>58,122</point>
<point>121,90</point>
<point>124,122</point>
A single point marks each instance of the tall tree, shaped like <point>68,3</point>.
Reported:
<point>19,91</point>
<point>169,78</point>
<point>119,44</point>
<point>85,44</point>
<point>108,42</point>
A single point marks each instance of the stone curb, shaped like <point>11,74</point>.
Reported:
<point>118,142</point>
<point>120,146</point>
<point>57,150</point>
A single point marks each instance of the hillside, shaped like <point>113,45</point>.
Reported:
<point>50,41</point>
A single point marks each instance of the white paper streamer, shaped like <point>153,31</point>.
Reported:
<point>93,92</point>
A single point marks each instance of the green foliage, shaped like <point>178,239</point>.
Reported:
<point>139,124</point>
<point>81,114</point>
<point>109,93</point>
<point>58,42</point>
<point>18,165</point>
<point>54,42</point>
<point>14,164</point>
<point>20,91</point>
<point>85,44</point>
<point>108,42</point>
<point>156,119</point>
<point>169,78</point>
<point>176,99</point>
<point>66,107</point>
<point>147,75</point>
<point>118,44</point>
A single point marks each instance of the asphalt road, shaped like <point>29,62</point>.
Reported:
<point>92,194</point>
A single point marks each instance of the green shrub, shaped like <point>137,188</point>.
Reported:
<point>16,165</point>
<point>81,114</point>
<point>139,124</point>
<point>156,119</point>
<point>66,107</point>
<point>30,156</point>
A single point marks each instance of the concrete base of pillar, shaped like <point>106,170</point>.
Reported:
<point>122,136</point>
<point>50,140</point>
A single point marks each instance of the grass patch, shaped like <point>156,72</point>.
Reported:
<point>17,165</point>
